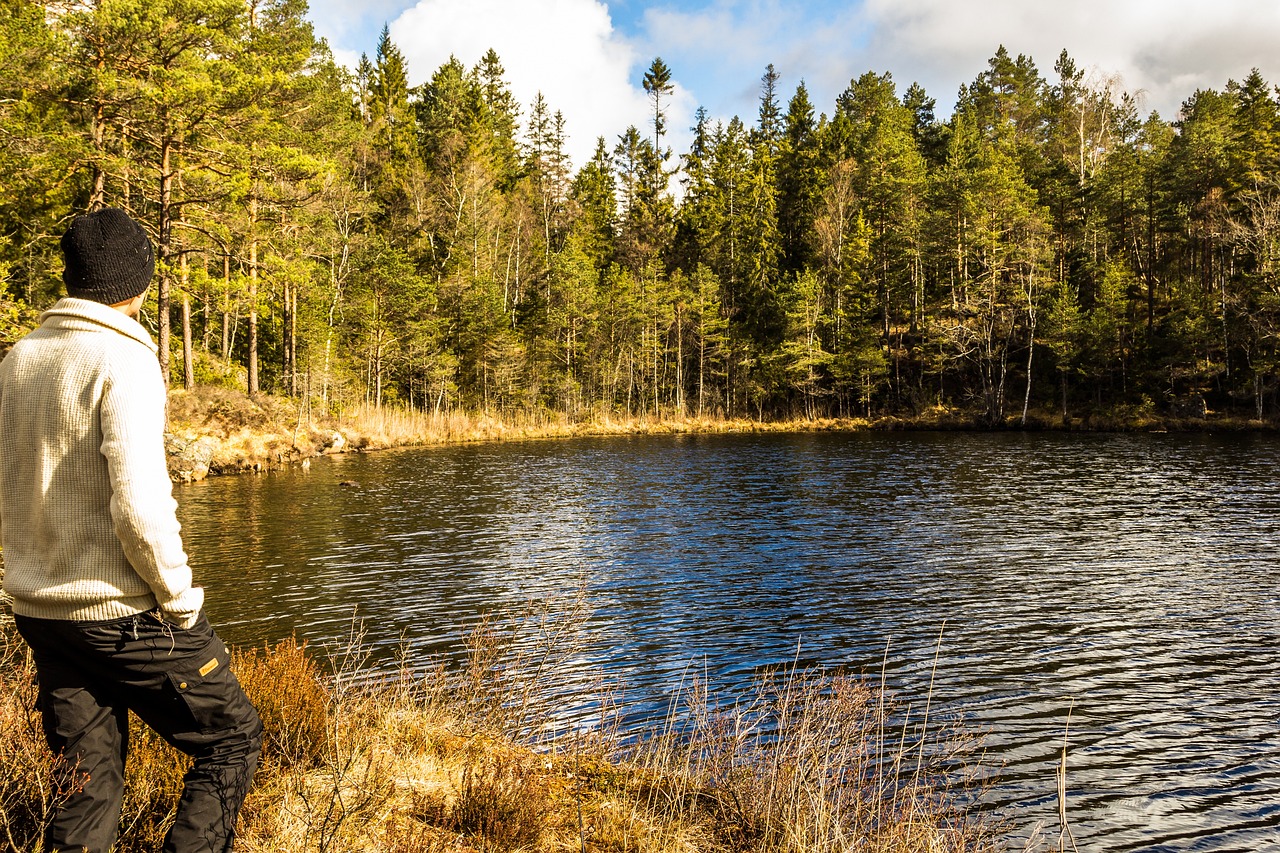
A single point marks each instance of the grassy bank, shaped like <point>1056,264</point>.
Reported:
<point>466,759</point>
<point>217,431</point>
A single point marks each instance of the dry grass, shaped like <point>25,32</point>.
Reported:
<point>27,797</point>
<point>458,760</point>
<point>230,432</point>
<point>816,762</point>
<point>233,432</point>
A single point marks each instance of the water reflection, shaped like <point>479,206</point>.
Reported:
<point>1128,580</point>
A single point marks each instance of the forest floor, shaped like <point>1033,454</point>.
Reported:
<point>218,431</point>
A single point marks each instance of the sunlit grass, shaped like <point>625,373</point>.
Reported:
<point>227,431</point>
<point>233,432</point>
<point>475,758</point>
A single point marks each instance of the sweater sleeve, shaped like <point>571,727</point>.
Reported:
<point>142,505</point>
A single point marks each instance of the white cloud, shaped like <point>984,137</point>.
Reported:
<point>1166,48</point>
<point>722,51</point>
<point>350,29</point>
<point>567,49</point>
<point>718,49</point>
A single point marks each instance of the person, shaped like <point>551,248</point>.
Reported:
<point>93,557</point>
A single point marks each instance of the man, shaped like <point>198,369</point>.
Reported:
<point>93,557</point>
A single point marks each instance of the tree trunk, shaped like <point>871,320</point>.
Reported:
<point>679,364</point>
<point>253,298</point>
<point>286,369</point>
<point>97,198</point>
<point>188,367</point>
<point>226,305</point>
<point>293,341</point>
<point>164,253</point>
<point>1031,339</point>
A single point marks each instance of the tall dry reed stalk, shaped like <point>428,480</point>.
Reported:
<point>478,758</point>
<point>811,761</point>
<point>393,426</point>
<point>1064,828</point>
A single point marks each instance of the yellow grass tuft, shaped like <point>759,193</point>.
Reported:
<point>461,759</point>
<point>218,430</point>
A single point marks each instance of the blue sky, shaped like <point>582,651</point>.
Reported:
<point>587,57</point>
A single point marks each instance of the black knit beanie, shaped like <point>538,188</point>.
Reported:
<point>108,257</point>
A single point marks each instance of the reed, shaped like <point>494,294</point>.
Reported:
<point>231,432</point>
<point>470,758</point>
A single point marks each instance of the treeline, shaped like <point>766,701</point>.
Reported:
<point>346,237</point>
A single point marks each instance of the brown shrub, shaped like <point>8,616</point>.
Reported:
<point>27,800</point>
<point>152,785</point>
<point>502,802</point>
<point>289,691</point>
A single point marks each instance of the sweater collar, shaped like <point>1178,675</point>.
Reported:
<point>103,315</point>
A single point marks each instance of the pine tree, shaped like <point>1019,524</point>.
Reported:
<point>763,244</point>
<point>393,148</point>
<point>1256,131</point>
<point>688,244</point>
<point>389,95</point>
<point>454,148</point>
<point>501,116</point>
<point>654,225</point>
<point>769,126</point>
<point>647,211</point>
<point>889,182</point>
<point>1006,103</point>
<point>177,88</point>
<point>42,156</point>
<point>929,133</point>
<point>800,182</point>
<point>594,198</point>
<point>657,84</point>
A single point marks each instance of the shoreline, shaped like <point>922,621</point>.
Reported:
<point>464,760</point>
<point>216,432</point>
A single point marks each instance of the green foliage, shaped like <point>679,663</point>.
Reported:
<point>356,238</point>
<point>216,373</point>
<point>16,318</point>
<point>800,181</point>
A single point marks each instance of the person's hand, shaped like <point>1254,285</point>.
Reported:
<point>184,610</point>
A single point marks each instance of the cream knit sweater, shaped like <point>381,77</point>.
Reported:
<point>87,515</point>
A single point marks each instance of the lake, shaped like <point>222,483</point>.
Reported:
<point>1129,581</point>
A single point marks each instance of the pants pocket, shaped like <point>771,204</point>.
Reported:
<point>209,690</point>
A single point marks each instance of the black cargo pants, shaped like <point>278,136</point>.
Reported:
<point>179,682</point>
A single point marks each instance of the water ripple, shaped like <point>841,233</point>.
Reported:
<point>1128,582</point>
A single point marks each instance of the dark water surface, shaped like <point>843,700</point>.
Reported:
<point>1129,580</point>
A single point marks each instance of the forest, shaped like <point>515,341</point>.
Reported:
<point>1046,251</point>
